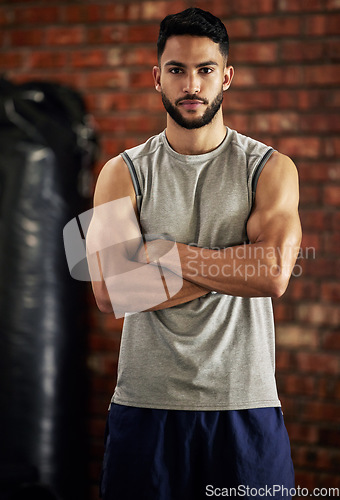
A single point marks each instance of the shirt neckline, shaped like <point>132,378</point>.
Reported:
<point>199,157</point>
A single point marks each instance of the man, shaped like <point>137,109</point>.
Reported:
<point>195,412</point>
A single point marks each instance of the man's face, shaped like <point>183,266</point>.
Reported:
<point>192,78</point>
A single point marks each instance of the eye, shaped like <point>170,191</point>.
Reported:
<point>206,71</point>
<point>175,71</point>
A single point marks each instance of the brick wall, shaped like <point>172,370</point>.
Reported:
<point>285,93</point>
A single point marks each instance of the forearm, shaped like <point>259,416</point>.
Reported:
<point>249,270</point>
<point>141,288</point>
<point>188,292</point>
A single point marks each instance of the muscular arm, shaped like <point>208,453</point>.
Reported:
<point>112,241</point>
<point>264,266</point>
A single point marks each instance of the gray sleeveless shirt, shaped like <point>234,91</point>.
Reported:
<point>215,352</point>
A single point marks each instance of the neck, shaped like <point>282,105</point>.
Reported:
<point>196,141</point>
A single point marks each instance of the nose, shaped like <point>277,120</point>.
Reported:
<point>191,84</point>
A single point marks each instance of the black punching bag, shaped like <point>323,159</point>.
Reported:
<point>47,151</point>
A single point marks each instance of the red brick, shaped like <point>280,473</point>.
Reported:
<point>283,360</point>
<point>238,29</point>
<point>103,363</point>
<point>307,479</point>
<point>325,74</point>
<point>313,219</point>
<point>48,60</point>
<point>71,79</point>
<point>291,75</point>
<point>82,13</point>
<point>312,240</point>
<point>97,427</point>
<point>239,122</point>
<point>305,147</point>
<point>255,52</point>
<point>28,37</point>
<point>107,34</point>
<point>11,60</point>
<point>283,312</point>
<point>332,243</point>
<point>98,342</point>
<point>329,436</point>
<point>320,122</point>
<point>322,267</point>
<point>332,50</point>
<point>301,51</point>
<point>107,79</point>
<point>329,388</point>
<point>157,10</point>
<point>310,195</point>
<point>117,12</point>
<point>141,101</point>
<point>142,33</point>
<point>285,98</point>
<point>244,7</point>
<point>277,27</point>
<point>335,219</point>
<point>305,289</point>
<point>98,404</point>
<point>238,100</point>
<point>244,77</point>
<point>6,16</point>
<point>113,146</point>
<point>88,58</point>
<point>294,336</point>
<point>141,79</point>
<point>330,291</point>
<point>310,362</point>
<point>318,314</point>
<point>317,171</point>
<point>302,432</point>
<point>113,101</point>
<point>276,122</point>
<point>290,406</point>
<point>65,36</point>
<point>297,384</point>
<point>310,99</point>
<point>332,195</point>
<point>300,5</point>
<point>332,149</point>
<point>318,25</point>
<point>320,459</point>
<point>321,411</point>
<point>141,56</point>
<point>36,15</point>
<point>103,385</point>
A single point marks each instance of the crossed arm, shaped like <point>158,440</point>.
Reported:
<point>261,268</point>
<point>116,261</point>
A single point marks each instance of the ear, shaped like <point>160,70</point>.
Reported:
<point>228,76</point>
<point>156,73</point>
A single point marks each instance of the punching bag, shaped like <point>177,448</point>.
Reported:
<point>47,150</point>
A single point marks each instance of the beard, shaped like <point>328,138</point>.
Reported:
<point>190,124</point>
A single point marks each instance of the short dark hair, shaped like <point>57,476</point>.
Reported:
<point>195,22</point>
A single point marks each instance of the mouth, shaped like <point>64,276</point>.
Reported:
<point>191,103</point>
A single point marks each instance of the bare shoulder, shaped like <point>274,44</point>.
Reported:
<point>278,182</point>
<point>114,181</point>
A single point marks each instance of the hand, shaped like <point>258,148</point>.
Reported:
<point>153,250</point>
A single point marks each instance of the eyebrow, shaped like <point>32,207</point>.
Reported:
<point>200,65</point>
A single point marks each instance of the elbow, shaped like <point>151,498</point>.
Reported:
<point>104,306</point>
<point>278,288</point>
<point>278,282</point>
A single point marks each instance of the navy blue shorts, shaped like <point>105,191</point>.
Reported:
<point>195,455</point>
